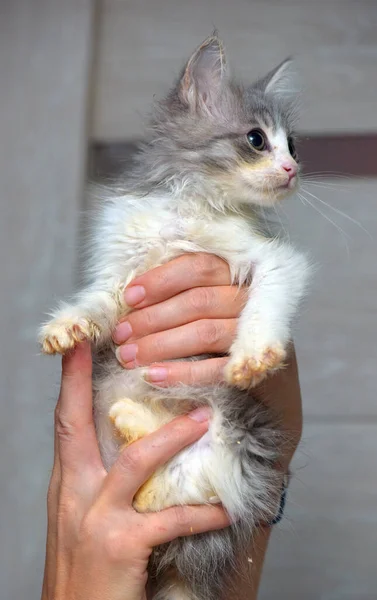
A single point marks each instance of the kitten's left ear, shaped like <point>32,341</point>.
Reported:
<point>201,83</point>
<point>280,81</point>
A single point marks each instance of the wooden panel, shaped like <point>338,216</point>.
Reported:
<point>346,155</point>
<point>143,44</point>
<point>45,60</point>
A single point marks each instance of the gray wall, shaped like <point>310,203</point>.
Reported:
<point>73,71</point>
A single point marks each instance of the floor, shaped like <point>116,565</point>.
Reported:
<point>61,68</point>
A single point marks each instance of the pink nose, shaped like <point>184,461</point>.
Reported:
<point>290,168</point>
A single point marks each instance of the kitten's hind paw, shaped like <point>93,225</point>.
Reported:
<point>249,370</point>
<point>61,334</point>
<point>132,420</point>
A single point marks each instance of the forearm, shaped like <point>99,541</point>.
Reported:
<point>249,573</point>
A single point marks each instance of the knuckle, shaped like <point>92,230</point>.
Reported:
<point>205,264</point>
<point>68,511</point>
<point>181,518</point>
<point>108,532</point>
<point>92,526</point>
<point>201,299</point>
<point>161,279</point>
<point>64,428</point>
<point>52,498</point>
<point>114,544</point>
<point>56,413</point>
<point>148,319</point>
<point>153,349</point>
<point>209,333</point>
<point>131,460</point>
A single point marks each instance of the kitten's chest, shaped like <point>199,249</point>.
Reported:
<point>222,234</point>
<point>149,237</point>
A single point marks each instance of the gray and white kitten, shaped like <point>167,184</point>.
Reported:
<point>215,153</point>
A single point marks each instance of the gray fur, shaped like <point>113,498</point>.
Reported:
<point>195,139</point>
<point>205,561</point>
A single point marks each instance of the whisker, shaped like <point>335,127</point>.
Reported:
<point>325,183</point>
<point>340,212</point>
<point>332,174</point>
<point>335,175</point>
<point>286,233</point>
<point>341,231</point>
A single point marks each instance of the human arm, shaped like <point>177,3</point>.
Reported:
<point>98,546</point>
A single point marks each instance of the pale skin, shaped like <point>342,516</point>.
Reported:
<point>184,307</point>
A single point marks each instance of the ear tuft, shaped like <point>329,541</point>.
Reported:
<point>204,75</point>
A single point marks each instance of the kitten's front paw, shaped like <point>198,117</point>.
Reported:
<point>61,335</point>
<point>247,370</point>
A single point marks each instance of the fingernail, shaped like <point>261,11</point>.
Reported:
<point>200,414</point>
<point>126,353</point>
<point>134,295</point>
<point>122,332</point>
<point>156,374</point>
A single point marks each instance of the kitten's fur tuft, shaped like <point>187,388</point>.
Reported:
<point>216,151</point>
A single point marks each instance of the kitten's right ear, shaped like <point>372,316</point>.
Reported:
<point>200,85</point>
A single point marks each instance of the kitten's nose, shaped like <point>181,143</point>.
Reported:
<point>290,168</point>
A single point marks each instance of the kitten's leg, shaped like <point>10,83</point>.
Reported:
<point>134,420</point>
<point>279,278</point>
<point>92,317</point>
<point>172,483</point>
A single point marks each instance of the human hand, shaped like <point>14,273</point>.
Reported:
<point>187,307</point>
<point>98,546</point>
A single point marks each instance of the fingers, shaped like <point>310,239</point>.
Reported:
<point>201,337</point>
<point>200,372</point>
<point>180,521</point>
<point>217,302</point>
<point>182,273</point>
<point>74,427</point>
<point>139,460</point>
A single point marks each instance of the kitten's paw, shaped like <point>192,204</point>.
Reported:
<point>132,420</point>
<point>247,371</point>
<point>61,335</point>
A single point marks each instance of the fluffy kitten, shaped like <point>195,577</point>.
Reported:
<point>216,151</point>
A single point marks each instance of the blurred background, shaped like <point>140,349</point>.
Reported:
<point>76,77</point>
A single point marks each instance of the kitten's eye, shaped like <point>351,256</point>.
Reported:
<point>256,139</point>
<point>292,147</point>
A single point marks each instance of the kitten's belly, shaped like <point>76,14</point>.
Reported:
<point>185,476</point>
<point>112,383</point>
<point>183,480</point>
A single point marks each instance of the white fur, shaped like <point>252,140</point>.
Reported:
<point>135,234</point>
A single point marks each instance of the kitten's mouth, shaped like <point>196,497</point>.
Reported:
<point>290,184</point>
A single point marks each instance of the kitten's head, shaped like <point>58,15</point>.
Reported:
<point>212,130</point>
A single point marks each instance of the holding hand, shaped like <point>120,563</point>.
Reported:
<point>98,546</point>
<point>184,308</point>
<point>189,306</point>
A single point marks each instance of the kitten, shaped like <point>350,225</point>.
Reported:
<point>216,152</point>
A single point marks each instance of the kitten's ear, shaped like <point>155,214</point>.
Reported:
<point>203,76</point>
<point>280,81</point>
